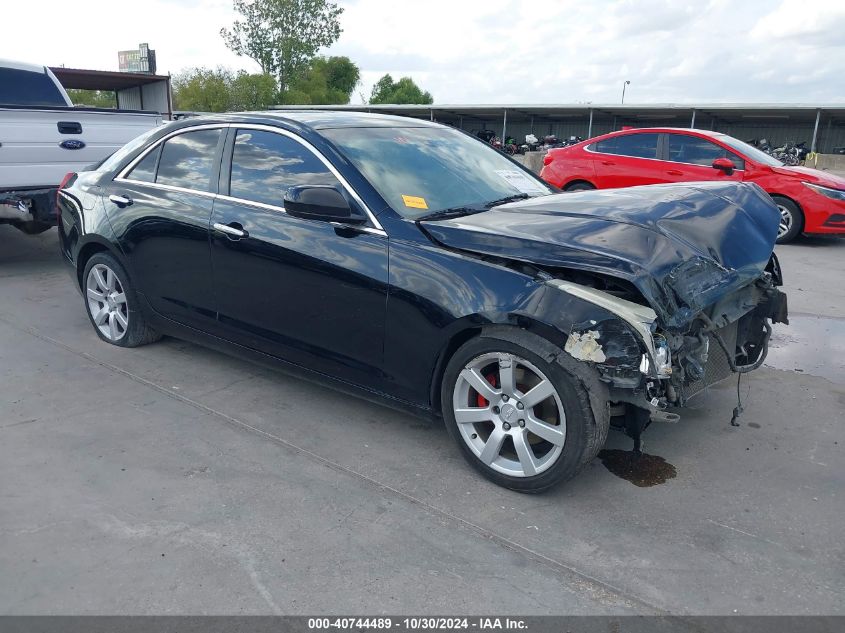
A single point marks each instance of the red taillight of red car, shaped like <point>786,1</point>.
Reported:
<point>548,158</point>
<point>68,177</point>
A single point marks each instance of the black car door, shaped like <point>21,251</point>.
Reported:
<point>160,208</point>
<point>308,291</point>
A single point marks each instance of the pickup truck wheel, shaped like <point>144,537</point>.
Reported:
<point>791,220</point>
<point>519,417</point>
<point>112,305</point>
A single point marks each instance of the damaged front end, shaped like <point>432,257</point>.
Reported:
<point>652,366</point>
<point>668,288</point>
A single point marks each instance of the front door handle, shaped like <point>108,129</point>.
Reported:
<point>121,201</point>
<point>607,162</point>
<point>232,230</point>
<point>675,172</point>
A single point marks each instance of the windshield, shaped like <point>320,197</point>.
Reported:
<point>420,171</point>
<point>749,151</point>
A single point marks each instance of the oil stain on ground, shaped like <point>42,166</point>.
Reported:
<point>641,469</point>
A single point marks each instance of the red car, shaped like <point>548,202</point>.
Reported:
<point>810,201</point>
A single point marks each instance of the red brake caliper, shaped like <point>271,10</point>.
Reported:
<point>492,379</point>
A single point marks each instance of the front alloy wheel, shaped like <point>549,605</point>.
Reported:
<point>521,411</point>
<point>791,221</point>
<point>509,414</point>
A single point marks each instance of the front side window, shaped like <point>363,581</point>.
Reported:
<point>422,170</point>
<point>633,145</point>
<point>266,164</point>
<point>694,150</point>
<point>187,160</point>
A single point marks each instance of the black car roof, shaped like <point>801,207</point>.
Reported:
<point>320,119</point>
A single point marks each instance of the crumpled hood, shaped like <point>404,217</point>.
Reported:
<point>683,246</point>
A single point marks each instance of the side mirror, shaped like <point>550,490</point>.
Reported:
<point>320,202</point>
<point>725,164</point>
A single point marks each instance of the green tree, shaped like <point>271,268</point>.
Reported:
<point>221,90</point>
<point>283,36</point>
<point>327,81</point>
<point>92,98</point>
<point>203,90</point>
<point>253,92</point>
<point>403,91</point>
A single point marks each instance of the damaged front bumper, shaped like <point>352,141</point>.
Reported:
<point>670,365</point>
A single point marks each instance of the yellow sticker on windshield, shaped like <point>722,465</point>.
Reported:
<point>414,202</point>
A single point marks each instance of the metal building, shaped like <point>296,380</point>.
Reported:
<point>134,91</point>
<point>820,126</point>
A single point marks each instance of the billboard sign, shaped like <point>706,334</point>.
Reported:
<point>141,60</point>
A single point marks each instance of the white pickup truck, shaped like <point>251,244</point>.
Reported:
<point>43,137</point>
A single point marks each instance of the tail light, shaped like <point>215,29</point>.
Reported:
<point>66,179</point>
<point>548,158</point>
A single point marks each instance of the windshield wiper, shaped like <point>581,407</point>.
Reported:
<point>452,212</point>
<point>506,199</point>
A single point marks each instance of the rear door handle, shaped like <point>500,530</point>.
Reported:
<point>232,230</point>
<point>674,172</point>
<point>121,201</point>
<point>607,162</point>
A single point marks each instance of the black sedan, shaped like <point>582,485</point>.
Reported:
<point>411,262</point>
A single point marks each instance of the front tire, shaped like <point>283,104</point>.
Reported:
<point>112,305</point>
<point>791,220</point>
<point>520,417</point>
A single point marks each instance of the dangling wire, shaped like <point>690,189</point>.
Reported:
<point>738,408</point>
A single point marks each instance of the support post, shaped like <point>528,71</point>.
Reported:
<point>590,126</point>
<point>431,115</point>
<point>816,130</point>
<point>504,127</point>
<point>692,123</point>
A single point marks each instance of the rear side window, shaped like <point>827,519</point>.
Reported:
<point>266,164</point>
<point>24,87</point>
<point>682,148</point>
<point>187,160</point>
<point>145,171</point>
<point>634,145</point>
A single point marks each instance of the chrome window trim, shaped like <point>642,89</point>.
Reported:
<point>663,160</point>
<point>155,185</point>
<point>251,203</point>
<point>121,176</point>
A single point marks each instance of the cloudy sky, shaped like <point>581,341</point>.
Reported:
<point>493,51</point>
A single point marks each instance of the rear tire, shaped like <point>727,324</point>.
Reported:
<point>561,433</point>
<point>579,186</point>
<point>112,305</point>
<point>791,220</point>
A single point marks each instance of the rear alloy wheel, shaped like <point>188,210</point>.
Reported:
<point>791,220</point>
<point>107,303</point>
<point>522,421</point>
<point>580,186</point>
<point>112,303</point>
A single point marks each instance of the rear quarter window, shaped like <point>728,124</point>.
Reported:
<point>24,87</point>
